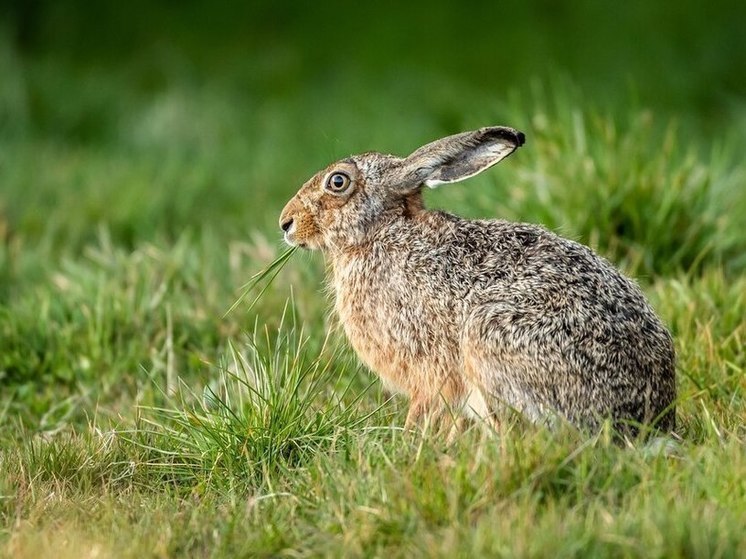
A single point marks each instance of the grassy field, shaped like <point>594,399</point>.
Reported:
<point>145,154</point>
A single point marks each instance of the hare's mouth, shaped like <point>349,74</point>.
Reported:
<point>290,240</point>
<point>288,237</point>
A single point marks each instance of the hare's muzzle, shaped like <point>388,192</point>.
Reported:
<point>289,221</point>
<point>287,224</point>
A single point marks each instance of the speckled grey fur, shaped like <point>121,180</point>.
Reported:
<point>481,315</point>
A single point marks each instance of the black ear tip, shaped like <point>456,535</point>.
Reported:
<point>507,134</point>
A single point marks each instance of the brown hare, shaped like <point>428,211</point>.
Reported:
<point>479,315</point>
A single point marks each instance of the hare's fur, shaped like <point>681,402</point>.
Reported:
<point>481,315</point>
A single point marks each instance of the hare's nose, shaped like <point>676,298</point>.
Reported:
<point>287,224</point>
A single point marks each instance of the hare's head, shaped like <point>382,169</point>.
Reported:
<point>340,205</point>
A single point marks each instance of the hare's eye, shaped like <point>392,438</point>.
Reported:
<point>337,182</point>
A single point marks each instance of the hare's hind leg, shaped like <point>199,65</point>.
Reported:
<point>502,374</point>
<point>504,385</point>
<point>476,407</point>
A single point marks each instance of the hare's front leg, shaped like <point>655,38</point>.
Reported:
<point>423,408</point>
<point>417,408</point>
<point>446,420</point>
<point>436,403</point>
<point>435,414</point>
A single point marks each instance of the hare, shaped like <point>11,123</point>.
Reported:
<point>479,315</point>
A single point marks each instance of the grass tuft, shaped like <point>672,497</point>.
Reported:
<point>269,411</point>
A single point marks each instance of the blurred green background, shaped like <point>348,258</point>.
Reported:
<point>208,114</point>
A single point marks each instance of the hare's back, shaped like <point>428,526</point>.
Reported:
<point>568,314</point>
<point>536,267</point>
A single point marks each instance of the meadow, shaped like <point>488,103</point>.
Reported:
<point>157,402</point>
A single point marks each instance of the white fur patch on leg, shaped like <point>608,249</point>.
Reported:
<point>475,406</point>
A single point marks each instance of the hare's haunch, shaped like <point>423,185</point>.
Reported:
<point>479,316</point>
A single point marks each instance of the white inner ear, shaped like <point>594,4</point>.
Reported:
<point>492,154</point>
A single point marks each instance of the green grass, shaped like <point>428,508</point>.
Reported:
<point>161,397</point>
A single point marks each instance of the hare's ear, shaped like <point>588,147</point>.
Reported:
<point>461,156</point>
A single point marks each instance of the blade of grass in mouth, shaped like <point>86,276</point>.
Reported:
<point>265,277</point>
